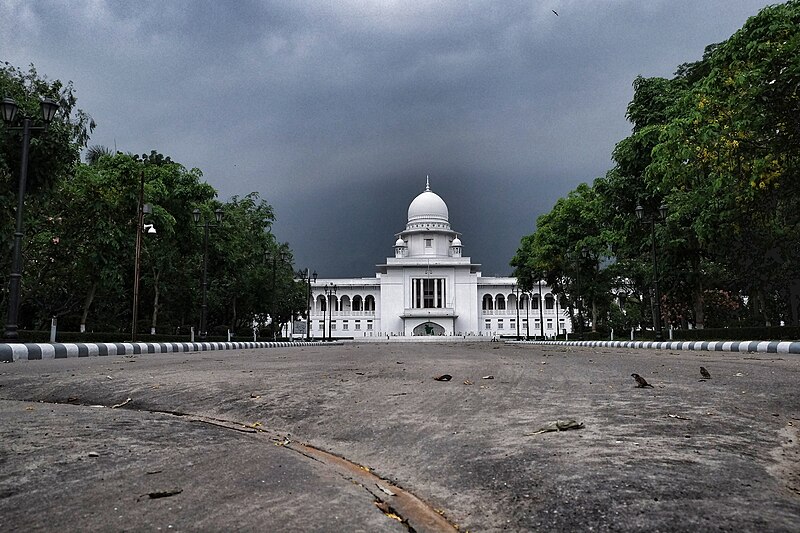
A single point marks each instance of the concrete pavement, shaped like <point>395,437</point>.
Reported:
<point>230,431</point>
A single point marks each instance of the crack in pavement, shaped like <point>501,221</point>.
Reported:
<point>400,505</point>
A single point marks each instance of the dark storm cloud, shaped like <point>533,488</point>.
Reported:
<point>336,111</point>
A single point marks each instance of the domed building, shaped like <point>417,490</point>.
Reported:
<point>430,289</point>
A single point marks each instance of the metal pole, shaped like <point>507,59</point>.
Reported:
<point>528,318</point>
<point>204,307</point>
<point>657,303</point>
<point>274,303</point>
<point>517,304</point>
<point>541,311</point>
<point>137,257</point>
<point>308,305</point>
<point>12,320</point>
<point>324,316</point>
<point>580,300</point>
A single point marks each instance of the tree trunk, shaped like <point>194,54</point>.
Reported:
<point>87,304</point>
<point>594,316</point>
<point>762,303</point>
<point>698,301</point>
<point>156,305</point>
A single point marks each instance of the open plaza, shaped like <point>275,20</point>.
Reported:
<point>361,437</point>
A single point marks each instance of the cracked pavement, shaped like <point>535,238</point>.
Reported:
<point>228,429</point>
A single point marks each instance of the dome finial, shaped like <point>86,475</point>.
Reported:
<point>427,183</point>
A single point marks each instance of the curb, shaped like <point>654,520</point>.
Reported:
<point>31,351</point>
<point>708,346</point>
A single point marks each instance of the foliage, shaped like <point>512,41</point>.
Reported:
<point>717,144</point>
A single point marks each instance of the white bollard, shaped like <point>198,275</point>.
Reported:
<point>612,334</point>
<point>229,335</point>
<point>191,333</point>
<point>670,332</point>
<point>53,324</point>
<point>631,333</point>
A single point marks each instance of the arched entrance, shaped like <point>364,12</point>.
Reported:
<point>428,328</point>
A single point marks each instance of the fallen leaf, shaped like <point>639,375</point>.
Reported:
<point>121,404</point>
<point>467,382</point>
<point>488,377</point>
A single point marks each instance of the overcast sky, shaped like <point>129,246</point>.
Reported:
<point>335,111</point>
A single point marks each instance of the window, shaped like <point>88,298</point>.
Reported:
<point>427,293</point>
<point>501,302</point>
<point>563,324</point>
<point>488,325</point>
<point>536,325</point>
<point>428,243</point>
<point>535,303</point>
<point>500,324</point>
<point>321,325</point>
<point>369,303</point>
<point>549,323</point>
<point>487,302</point>
<point>333,325</point>
<point>549,301</point>
<point>369,325</point>
<point>357,303</point>
<point>345,325</point>
<point>358,325</point>
<point>524,322</point>
<point>512,324</point>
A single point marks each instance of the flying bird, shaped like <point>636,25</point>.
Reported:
<point>705,373</point>
<point>554,11</point>
<point>641,383</point>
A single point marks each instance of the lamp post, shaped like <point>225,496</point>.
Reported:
<point>659,217</point>
<point>8,110</point>
<point>516,292</point>
<point>142,209</point>
<point>330,290</point>
<point>207,225</point>
<point>279,255</point>
<point>307,277</point>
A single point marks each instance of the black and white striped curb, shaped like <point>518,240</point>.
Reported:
<point>17,352</point>
<point>709,346</point>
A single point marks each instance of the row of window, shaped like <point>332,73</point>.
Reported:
<point>490,302</point>
<point>345,325</point>
<point>344,303</point>
<point>512,324</point>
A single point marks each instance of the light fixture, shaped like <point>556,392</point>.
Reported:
<point>218,215</point>
<point>196,215</point>
<point>150,228</point>
<point>8,109</point>
<point>639,212</point>
<point>662,210</point>
<point>49,108</point>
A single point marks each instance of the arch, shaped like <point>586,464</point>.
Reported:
<point>549,301</point>
<point>512,301</point>
<point>344,303</point>
<point>369,303</point>
<point>428,328</point>
<point>488,302</point>
<point>501,302</point>
<point>321,305</point>
<point>535,302</point>
<point>358,303</point>
<point>524,302</point>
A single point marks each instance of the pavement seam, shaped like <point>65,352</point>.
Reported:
<point>400,505</point>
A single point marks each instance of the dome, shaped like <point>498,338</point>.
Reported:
<point>456,242</point>
<point>400,242</point>
<point>428,206</point>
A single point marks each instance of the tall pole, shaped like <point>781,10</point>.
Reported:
<point>528,318</point>
<point>541,311</point>
<point>580,300</point>
<point>274,302</point>
<point>137,257</point>
<point>12,321</point>
<point>657,303</point>
<point>204,306</point>
<point>308,303</point>
<point>516,294</point>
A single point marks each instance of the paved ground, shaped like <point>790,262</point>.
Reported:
<point>227,430</point>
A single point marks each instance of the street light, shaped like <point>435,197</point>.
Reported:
<point>305,276</point>
<point>659,217</point>
<point>541,311</point>
<point>281,255</point>
<point>207,227</point>
<point>330,290</point>
<point>584,253</point>
<point>142,209</point>
<point>8,110</point>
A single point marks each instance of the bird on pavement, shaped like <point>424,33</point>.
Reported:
<point>705,373</point>
<point>641,383</point>
<point>443,377</point>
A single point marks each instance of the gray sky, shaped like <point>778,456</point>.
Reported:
<point>335,111</point>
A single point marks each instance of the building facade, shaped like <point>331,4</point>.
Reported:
<point>429,288</point>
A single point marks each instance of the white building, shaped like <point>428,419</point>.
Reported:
<point>430,288</point>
